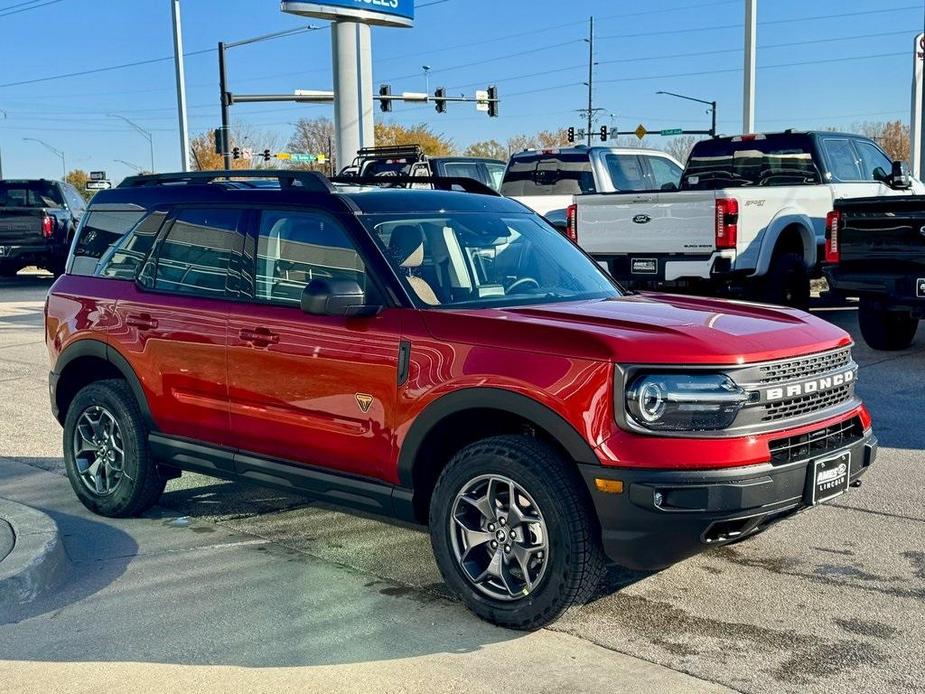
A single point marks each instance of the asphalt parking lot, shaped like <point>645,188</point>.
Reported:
<point>831,600</point>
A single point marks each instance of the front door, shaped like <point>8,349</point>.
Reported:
<point>316,390</point>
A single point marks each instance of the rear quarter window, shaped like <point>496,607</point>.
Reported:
<point>101,232</point>
<point>553,173</point>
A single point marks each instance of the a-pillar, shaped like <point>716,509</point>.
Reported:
<point>353,89</point>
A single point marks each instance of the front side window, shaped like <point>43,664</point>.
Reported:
<point>196,255</point>
<point>481,259</point>
<point>872,158</point>
<point>294,248</point>
<point>667,174</point>
<point>843,162</point>
<point>626,172</point>
<point>495,174</point>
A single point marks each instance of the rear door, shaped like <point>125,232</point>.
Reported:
<point>316,390</point>
<point>174,321</point>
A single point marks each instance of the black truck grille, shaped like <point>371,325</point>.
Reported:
<point>816,443</point>
<point>807,404</point>
<point>804,367</point>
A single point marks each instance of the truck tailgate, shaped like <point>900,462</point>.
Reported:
<point>20,226</point>
<point>655,222</point>
<point>882,236</point>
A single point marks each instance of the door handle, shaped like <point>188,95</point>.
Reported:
<point>260,337</point>
<point>142,321</point>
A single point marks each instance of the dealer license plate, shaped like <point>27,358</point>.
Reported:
<point>645,266</point>
<point>831,477</point>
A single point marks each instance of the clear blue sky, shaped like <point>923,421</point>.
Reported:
<point>819,63</point>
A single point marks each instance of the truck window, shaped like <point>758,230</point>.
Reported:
<point>464,169</point>
<point>29,194</point>
<point>626,172</point>
<point>778,160</point>
<point>495,174</point>
<point>843,162</point>
<point>666,173</point>
<point>872,158</point>
<point>549,173</point>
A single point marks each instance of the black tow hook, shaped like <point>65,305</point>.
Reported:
<point>856,483</point>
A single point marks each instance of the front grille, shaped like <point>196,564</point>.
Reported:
<point>806,404</point>
<point>816,443</point>
<point>804,367</point>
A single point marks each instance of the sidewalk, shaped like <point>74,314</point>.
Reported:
<point>173,606</point>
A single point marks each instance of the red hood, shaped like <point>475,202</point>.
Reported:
<point>646,328</point>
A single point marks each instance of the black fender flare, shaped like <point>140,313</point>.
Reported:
<point>496,399</point>
<point>97,348</point>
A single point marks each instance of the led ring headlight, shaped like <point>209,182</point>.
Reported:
<point>684,402</point>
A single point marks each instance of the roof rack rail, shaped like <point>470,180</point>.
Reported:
<point>391,151</point>
<point>468,185</point>
<point>309,180</point>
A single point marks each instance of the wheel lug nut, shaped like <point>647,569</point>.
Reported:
<point>502,520</point>
<point>507,548</point>
<point>539,555</point>
<point>494,544</point>
<point>491,526</point>
<point>513,535</point>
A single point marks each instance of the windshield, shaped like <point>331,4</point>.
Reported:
<point>549,173</point>
<point>29,194</point>
<point>480,260</point>
<point>785,160</point>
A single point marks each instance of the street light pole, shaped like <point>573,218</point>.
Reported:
<point>52,149</point>
<point>142,131</point>
<point>2,115</point>
<point>181,85</point>
<point>711,104</point>
<point>138,169</point>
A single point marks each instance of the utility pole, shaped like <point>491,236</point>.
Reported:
<point>748,88</point>
<point>145,133</point>
<point>2,115</point>
<point>181,86</point>
<point>590,79</point>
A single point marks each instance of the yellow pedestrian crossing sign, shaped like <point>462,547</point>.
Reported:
<point>641,131</point>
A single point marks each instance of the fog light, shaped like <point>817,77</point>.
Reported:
<point>658,499</point>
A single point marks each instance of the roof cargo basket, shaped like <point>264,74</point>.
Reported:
<point>449,183</point>
<point>308,180</point>
<point>391,151</point>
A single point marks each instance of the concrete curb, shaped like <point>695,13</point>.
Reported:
<point>37,561</point>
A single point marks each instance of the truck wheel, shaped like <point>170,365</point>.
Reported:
<point>787,282</point>
<point>106,451</point>
<point>883,329</point>
<point>8,269</point>
<point>513,534</point>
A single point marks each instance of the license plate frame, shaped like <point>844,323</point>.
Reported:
<point>4,250</point>
<point>833,485</point>
<point>644,266</point>
<point>920,288</point>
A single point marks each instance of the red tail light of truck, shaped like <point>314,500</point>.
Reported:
<point>47,227</point>
<point>571,222</point>
<point>832,252</point>
<point>727,222</point>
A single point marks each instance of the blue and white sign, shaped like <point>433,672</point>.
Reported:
<point>383,12</point>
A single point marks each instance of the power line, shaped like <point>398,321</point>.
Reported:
<point>26,9</point>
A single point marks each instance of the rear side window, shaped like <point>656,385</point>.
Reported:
<point>626,172</point>
<point>29,194</point>
<point>667,174</point>
<point>549,173</point>
<point>779,160</point>
<point>195,257</point>
<point>102,230</point>
<point>294,248</point>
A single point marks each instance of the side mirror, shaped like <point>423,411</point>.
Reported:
<point>336,298</point>
<point>898,178</point>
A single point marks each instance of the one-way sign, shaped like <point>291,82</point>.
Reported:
<point>99,185</point>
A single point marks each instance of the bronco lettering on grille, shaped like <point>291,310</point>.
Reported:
<point>796,390</point>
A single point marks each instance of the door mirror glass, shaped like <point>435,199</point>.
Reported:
<point>336,298</point>
<point>898,178</point>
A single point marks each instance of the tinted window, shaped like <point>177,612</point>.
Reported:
<point>294,248</point>
<point>843,162</point>
<point>195,257</point>
<point>464,170</point>
<point>102,230</point>
<point>29,194</point>
<point>549,173</point>
<point>126,256</point>
<point>495,174</point>
<point>872,158</point>
<point>777,160</point>
<point>626,172</point>
<point>667,174</point>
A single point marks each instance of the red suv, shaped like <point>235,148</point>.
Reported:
<point>443,357</point>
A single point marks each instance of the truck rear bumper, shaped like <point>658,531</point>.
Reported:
<point>664,516</point>
<point>31,253</point>
<point>659,269</point>
<point>896,291</point>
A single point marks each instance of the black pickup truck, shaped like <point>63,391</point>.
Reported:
<point>37,222</point>
<point>875,251</point>
<point>410,160</point>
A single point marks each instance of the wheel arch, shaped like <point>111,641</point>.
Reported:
<point>457,419</point>
<point>86,361</point>
<point>789,230</point>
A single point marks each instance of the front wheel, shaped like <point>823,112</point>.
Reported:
<point>513,534</point>
<point>883,329</point>
<point>106,452</point>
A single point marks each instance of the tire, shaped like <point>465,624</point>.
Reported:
<point>8,269</point>
<point>57,267</point>
<point>119,488</point>
<point>883,329</point>
<point>567,568</point>
<point>787,282</point>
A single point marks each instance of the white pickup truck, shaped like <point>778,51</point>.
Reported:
<point>749,218</point>
<point>547,180</point>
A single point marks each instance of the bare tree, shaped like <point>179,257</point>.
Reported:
<point>314,136</point>
<point>680,147</point>
<point>893,136</point>
<point>491,149</point>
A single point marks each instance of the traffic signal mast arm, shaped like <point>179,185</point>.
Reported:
<point>488,100</point>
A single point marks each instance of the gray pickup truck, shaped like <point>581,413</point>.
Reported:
<point>37,223</point>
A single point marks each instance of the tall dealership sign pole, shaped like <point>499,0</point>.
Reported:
<point>351,50</point>
<point>748,86</point>
<point>181,84</point>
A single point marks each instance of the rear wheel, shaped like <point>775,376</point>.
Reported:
<point>106,451</point>
<point>787,282</point>
<point>9,269</point>
<point>513,534</point>
<point>883,329</point>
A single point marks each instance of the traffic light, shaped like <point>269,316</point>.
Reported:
<point>604,133</point>
<point>266,155</point>
<point>440,99</point>
<point>219,141</point>
<point>571,134</point>
<point>236,153</point>
<point>385,90</point>
<point>493,105</point>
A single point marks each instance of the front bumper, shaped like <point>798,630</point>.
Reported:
<point>701,508</point>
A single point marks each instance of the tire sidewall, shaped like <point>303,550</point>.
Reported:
<point>135,446</point>
<point>787,271</point>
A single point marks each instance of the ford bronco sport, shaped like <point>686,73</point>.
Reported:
<point>446,358</point>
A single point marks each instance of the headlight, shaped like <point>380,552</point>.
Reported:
<point>684,402</point>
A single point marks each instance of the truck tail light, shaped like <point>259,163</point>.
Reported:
<point>47,227</point>
<point>571,222</point>
<point>832,252</point>
<point>727,222</point>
